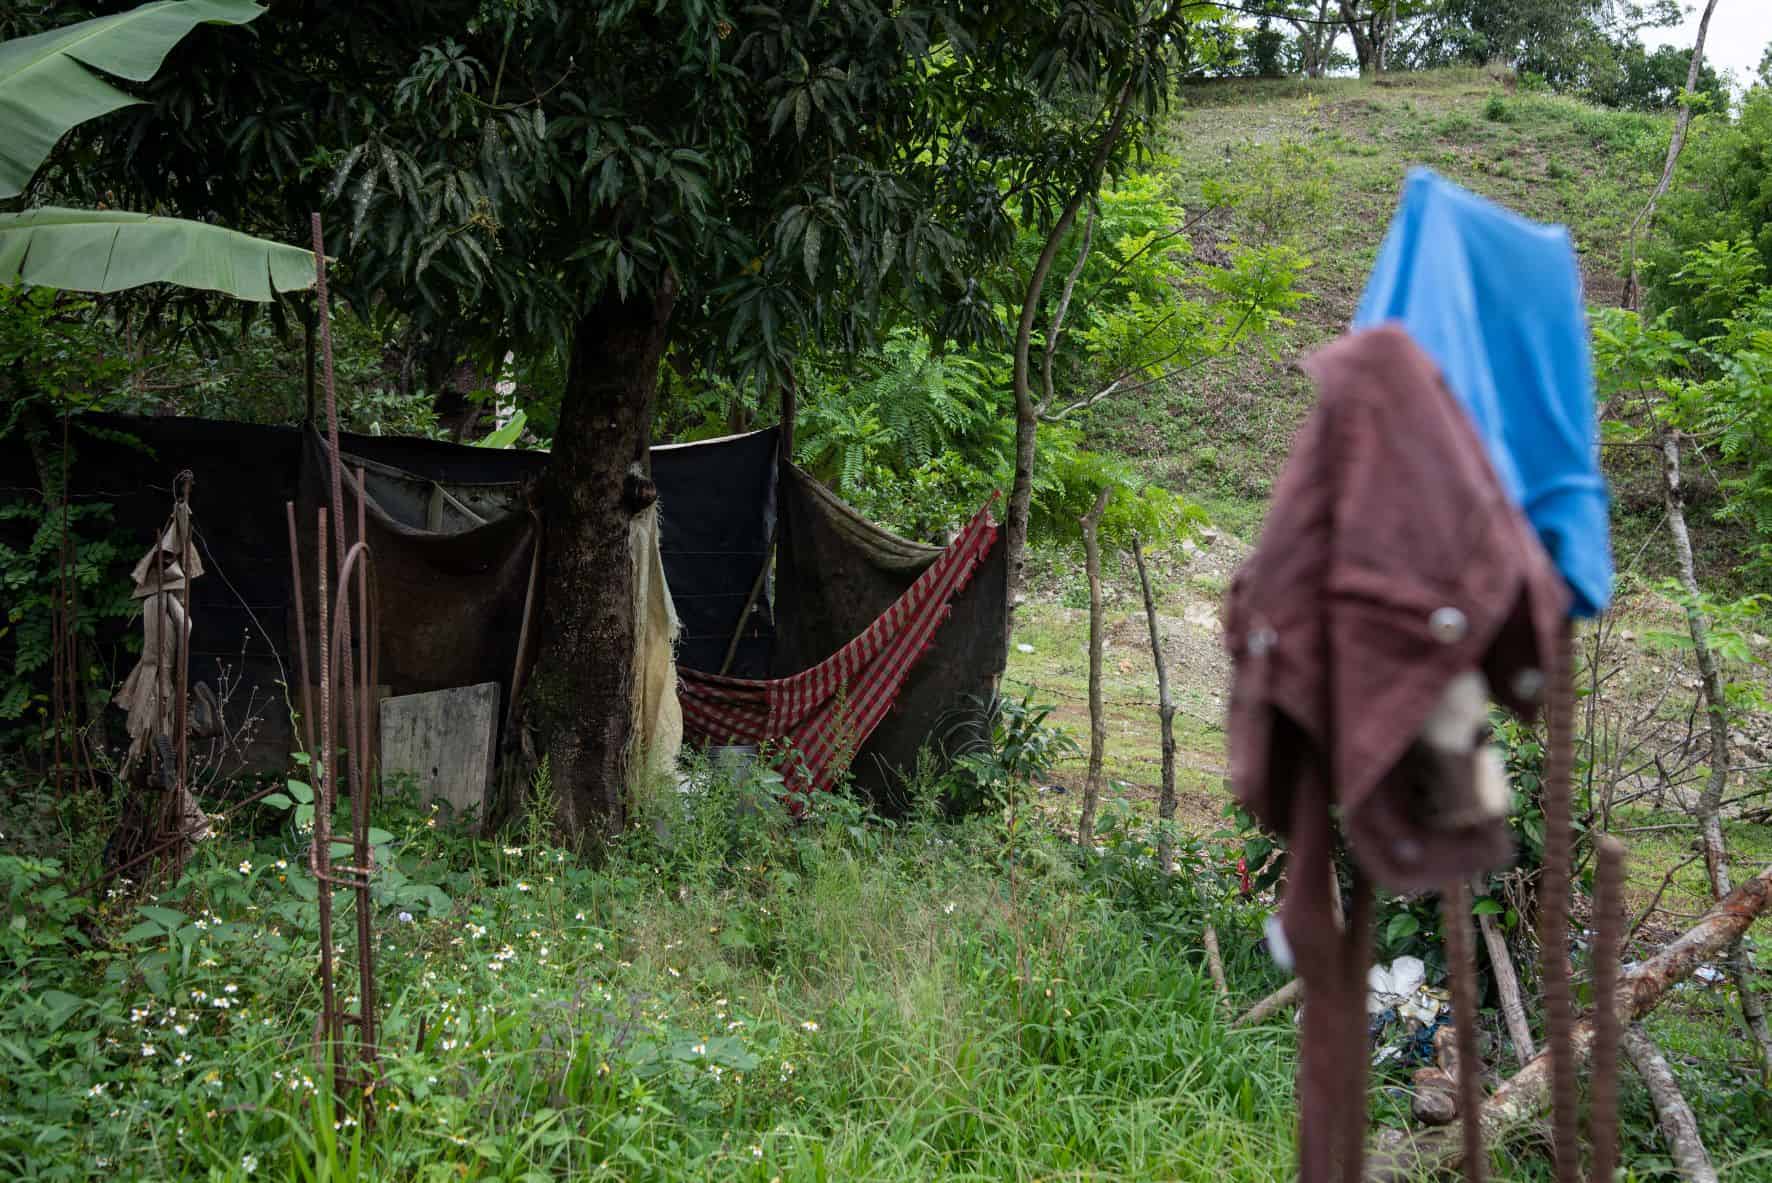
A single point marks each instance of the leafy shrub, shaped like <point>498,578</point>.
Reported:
<point>1017,753</point>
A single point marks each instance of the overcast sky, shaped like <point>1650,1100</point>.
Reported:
<point>1739,32</point>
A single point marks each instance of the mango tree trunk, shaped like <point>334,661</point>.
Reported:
<point>599,476</point>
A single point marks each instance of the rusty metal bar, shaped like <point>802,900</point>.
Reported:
<point>182,523</point>
<point>362,763</point>
<point>320,852</point>
<point>1455,913</point>
<point>301,636</point>
<point>356,702</point>
<point>1608,952</point>
<point>1553,901</point>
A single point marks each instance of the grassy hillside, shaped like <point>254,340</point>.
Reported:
<point>1320,164</point>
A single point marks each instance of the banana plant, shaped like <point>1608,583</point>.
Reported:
<point>50,83</point>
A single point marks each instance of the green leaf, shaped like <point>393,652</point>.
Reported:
<point>507,435</point>
<point>1402,926</point>
<point>61,1006</point>
<point>166,918</point>
<point>278,801</point>
<point>301,791</point>
<point>111,250</point>
<point>47,84</point>
<point>1487,907</point>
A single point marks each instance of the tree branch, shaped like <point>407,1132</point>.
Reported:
<point>1645,221</point>
<point>1678,1124</point>
<point>1064,306</point>
<point>1399,1156</point>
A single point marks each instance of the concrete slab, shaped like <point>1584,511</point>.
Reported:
<point>444,739</point>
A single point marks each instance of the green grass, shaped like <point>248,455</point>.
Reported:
<point>834,999</point>
<point>757,998</point>
<point>1325,160</point>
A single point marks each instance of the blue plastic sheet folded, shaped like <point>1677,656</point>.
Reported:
<point>1495,300</point>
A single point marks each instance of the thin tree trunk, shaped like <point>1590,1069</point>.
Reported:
<point>1027,410</point>
<point>1316,38</point>
<point>1645,221</point>
<point>1710,800</point>
<point>598,478</point>
<point>1397,1156</point>
<point>1165,721</point>
<point>1097,716</point>
<point>1363,48</point>
<point>1381,38</point>
<point>1678,1124</point>
<point>1507,985</point>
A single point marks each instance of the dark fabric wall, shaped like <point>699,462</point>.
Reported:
<point>452,603</point>
<point>717,501</point>
<point>243,476</point>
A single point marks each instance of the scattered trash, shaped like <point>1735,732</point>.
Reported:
<point>1392,984</point>
<point>1023,647</point>
<point>1053,789</point>
<point>1404,1012</point>
<point>1708,974</point>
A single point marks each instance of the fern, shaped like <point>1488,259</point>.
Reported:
<point>893,412</point>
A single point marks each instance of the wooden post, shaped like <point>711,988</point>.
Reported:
<point>1097,717</point>
<point>1507,985</point>
<point>1165,720</point>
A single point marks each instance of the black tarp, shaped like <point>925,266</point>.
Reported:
<point>718,502</point>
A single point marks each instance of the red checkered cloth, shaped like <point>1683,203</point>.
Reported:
<point>825,713</point>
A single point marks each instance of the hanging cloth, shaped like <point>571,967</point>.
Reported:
<point>1495,300</point>
<point>162,579</point>
<point>1390,565</point>
<point>828,711</point>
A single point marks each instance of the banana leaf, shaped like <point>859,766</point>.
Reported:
<point>110,250</point>
<point>47,84</point>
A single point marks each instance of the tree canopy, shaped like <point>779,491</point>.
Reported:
<point>619,182</point>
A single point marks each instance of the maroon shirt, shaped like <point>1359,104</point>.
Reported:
<point>1390,561</point>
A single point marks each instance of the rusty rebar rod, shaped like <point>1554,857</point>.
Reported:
<point>320,851</point>
<point>356,702</point>
<point>1455,913</point>
<point>1608,952</point>
<point>1554,911</point>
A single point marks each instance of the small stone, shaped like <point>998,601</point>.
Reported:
<point>1436,1098</point>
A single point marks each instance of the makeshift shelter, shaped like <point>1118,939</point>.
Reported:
<point>455,531</point>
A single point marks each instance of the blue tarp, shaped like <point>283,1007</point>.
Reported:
<point>1496,301</point>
